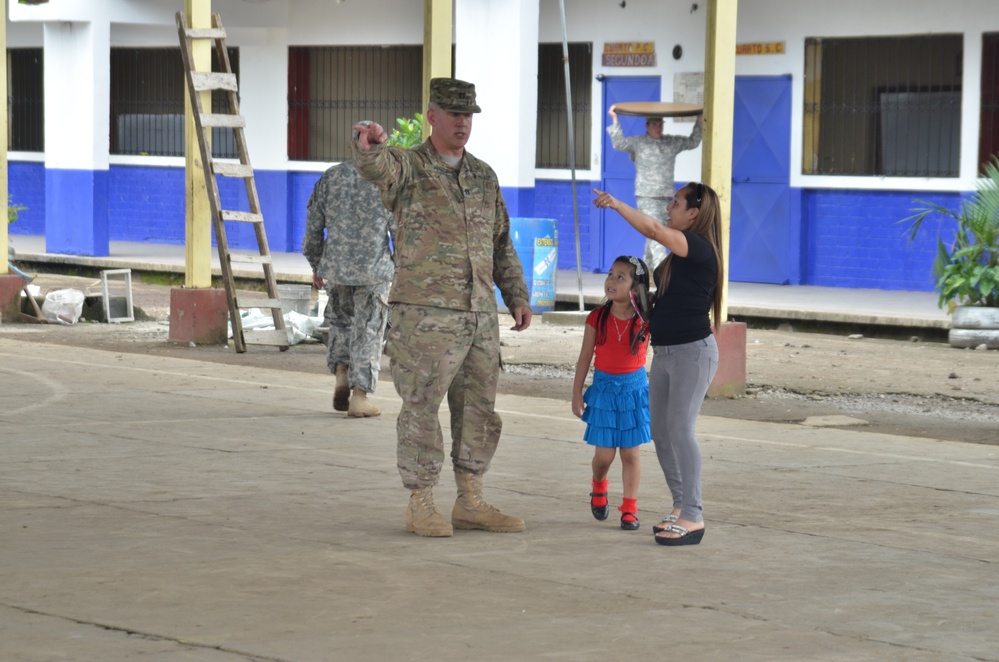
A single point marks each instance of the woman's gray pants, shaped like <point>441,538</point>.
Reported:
<point>678,382</point>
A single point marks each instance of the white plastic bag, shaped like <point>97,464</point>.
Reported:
<point>63,306</point>
<point>298,326</point>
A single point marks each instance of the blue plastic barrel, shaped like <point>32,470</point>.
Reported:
<point>536,242</point>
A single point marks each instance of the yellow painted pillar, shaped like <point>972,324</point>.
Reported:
<point>198,221</point>
<point>719,115</point>
<point>3,142</point>
<point>438,19</point>
<point>716,171</point>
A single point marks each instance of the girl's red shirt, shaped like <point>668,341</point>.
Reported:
<point>614,356</point>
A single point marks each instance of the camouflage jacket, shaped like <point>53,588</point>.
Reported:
<point>453,240</point>
<point>355,250</point>
<point>654,159</point>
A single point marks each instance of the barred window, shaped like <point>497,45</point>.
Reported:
<point>552,149</point>
<point>988,141</point>
<point>883,106</point>
<point>147,103</point>
<point>330,88</point>
<point>25,100</point>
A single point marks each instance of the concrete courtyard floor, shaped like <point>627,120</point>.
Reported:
<point>169,509</point>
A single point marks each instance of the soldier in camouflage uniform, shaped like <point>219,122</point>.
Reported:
<point>453,242</point>
<point>654,155</point>
<point>354,262</point>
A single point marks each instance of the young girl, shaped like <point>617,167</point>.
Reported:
<point>616,406</point>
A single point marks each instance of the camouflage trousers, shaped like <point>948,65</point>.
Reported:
<point>357,315</point>
<point>656,208</point>
<point>437,352</point>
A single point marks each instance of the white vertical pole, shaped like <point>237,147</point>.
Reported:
<point>572,153</point>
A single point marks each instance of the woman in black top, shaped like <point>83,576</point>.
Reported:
<point>685,354</point>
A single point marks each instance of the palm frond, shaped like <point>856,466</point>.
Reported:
<point>967,270</point>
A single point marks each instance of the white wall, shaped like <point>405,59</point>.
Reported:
<point>497,51</point>
<point>667,24</point>
<point>328,22</point>
<point>251,13</point>
<point>264,29</point>
<point>76,108</point>
<point>792,21</point>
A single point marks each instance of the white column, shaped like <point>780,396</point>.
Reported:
<point>77,71</point>
<point>496,47</point>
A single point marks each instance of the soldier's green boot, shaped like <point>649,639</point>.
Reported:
<point>422,517</point>
<point>472,512</point>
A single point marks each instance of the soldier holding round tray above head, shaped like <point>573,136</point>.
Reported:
<point>654,155</point>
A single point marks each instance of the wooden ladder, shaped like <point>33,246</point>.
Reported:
<point>225,80</point>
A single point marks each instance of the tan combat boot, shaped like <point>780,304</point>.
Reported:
<point>360,407</point>
<point>422,517</point>
<point>472,512</point>
<point>341,392</point>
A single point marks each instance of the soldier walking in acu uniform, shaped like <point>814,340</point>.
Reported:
<point>453,242</point>
<point>354,263</point>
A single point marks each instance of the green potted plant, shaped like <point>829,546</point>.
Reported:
<point>967,269</point>
<point>408,132</point>
<point>12,211</point>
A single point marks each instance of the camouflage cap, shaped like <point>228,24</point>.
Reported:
<point>455,95</point>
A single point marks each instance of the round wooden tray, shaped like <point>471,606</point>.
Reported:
<point>658,109</point>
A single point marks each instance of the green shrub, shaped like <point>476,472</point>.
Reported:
<point>408,132</point>
<point>13,210</point>
<point>967,271</point>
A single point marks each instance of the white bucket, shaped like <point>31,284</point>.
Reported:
<point>295,298</point>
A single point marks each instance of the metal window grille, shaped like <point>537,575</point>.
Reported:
<point>988,141</point>
<point>147,103</point>
<point>331,88</point>
<point>25,100</point>
<point>883,106</point>
<point>552,145</point>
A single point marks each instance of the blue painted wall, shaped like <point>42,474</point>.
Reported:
<point>26,185</point>
<point>849,238</point>
<point>553,199</point>
<point>300,185</point>
<point>855,239</point>
<point>76,212</point>
<point>146,204</point>
<point>519,201</point>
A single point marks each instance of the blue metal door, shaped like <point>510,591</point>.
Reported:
<point>761,231</point>
<point>617,171</point>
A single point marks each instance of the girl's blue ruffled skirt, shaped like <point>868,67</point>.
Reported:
<point>617,410</point>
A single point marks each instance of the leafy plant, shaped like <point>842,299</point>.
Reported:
<point>409,132</point>
<point>13,210</point>
<point>967,271</point>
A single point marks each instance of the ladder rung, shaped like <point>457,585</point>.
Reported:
<point>232,169</point>
<point>266,337</point>
<point>251,302</point>
<point>222,120</point>
<point>205,81</point>
<point>249,259</point>
<point>242,216</point>
<point>204,33</point>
